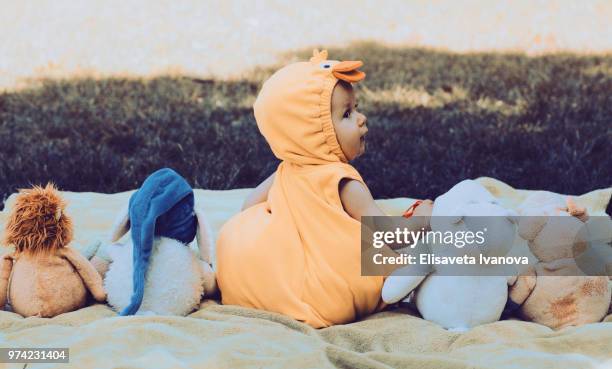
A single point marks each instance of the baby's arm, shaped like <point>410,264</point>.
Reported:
<point>259,194</point>
<point>358,201</point>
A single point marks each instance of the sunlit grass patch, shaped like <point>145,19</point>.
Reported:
<point>435,118</point>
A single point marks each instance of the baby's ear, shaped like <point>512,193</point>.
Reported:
<point>121,225</point>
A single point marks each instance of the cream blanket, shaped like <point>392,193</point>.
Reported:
<point>219,336</point>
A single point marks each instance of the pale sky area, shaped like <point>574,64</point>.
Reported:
<point>66,38</point>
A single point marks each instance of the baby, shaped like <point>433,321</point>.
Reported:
<point>295,247</point>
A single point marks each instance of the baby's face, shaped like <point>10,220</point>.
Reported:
<point>349,124</point>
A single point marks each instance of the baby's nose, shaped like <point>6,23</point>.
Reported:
<point>362,120</point>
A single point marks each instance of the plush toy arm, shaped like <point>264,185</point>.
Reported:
<point>530,225</point>
<point>101,265</point>
<point>210,280</point>
<point>102,259</point>
<point>88,273</point>
<point>522,286</point>
<point>204,237</point>
<point>558,264</point>
<point>397,287</point>
<point>512,280</point>
<point>5,273</point>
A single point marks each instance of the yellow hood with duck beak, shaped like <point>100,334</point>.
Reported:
<point>299,253</point>
<point>293,110</point>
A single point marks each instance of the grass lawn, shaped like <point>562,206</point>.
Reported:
<point>435,118</point>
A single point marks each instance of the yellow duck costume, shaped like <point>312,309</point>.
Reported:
<point>298,253</point>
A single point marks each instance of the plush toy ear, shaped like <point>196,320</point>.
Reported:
<point>529,227</point>
<point>204,236</point>
<point>121,225</point>
<point>576,211</point>
<point>318,56</point>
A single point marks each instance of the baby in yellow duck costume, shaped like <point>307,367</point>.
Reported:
<point>295,247</point>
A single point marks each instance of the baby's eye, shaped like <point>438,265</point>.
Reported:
<point>347,114</point>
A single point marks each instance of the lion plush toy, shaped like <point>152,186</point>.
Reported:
<point>43,276</point>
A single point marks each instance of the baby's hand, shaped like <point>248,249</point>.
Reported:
<point>424,211</point>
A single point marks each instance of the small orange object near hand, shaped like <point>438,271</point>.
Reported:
<point>410,211</point>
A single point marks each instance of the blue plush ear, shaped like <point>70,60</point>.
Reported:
<point>163,206</point>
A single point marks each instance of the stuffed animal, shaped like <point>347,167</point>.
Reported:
<point>44,276</point>
<point>156,272</point>
<point>459,302</point>
<point>556,292</point>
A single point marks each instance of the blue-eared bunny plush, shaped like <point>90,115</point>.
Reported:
<point>156,272</point>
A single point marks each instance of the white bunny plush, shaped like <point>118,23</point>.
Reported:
<point>177,276</point>
<point>460,302</point>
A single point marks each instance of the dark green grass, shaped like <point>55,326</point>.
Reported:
<point>435,118</point>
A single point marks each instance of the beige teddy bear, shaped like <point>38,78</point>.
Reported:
<point>556,292</point>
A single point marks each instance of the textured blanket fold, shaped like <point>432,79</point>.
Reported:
<point>218,336</point>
